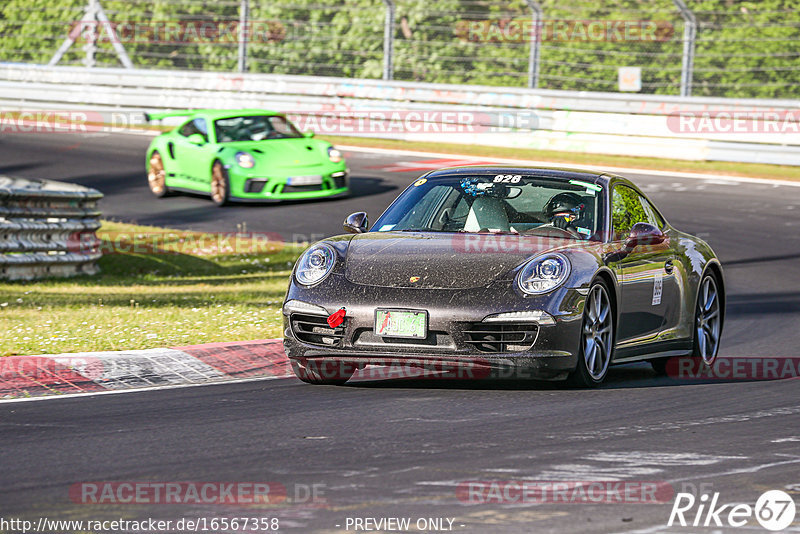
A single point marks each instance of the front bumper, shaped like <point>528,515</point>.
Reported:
<point>549,351</point>
<point>257,187</point>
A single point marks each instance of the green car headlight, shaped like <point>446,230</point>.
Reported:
<point>245,160</point>
<point>334,155</point>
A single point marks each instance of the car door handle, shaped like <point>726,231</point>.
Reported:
<point>668,266</point>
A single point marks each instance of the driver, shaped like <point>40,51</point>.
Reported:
<point>564,209</point>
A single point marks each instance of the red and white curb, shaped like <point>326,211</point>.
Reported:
<point>84,372</point>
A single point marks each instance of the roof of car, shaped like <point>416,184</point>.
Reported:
<point>598,177</point>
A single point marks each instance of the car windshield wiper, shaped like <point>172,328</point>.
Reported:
<point>489,232</point>
<point>420,230</point>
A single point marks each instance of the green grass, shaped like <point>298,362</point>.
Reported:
<point>186,296</point>
<point>723,168</point>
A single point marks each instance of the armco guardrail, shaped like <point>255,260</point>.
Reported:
<point>608,123</point>
<point>45,227</point>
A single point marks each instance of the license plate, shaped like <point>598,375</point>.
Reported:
<point>314,179</point>
<point>401,323</point>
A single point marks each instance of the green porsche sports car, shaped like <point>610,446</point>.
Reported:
<point>242,155</point>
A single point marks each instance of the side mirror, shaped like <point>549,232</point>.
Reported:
<point>641,234</point>
<point>308,134</point>
<point>356,223</point>
<point>644,234</point>
<point>196,139</point>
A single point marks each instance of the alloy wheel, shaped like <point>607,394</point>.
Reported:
<point>156,175</point>
<point>598,332</point>
<point>708,322</point>
<point>219,184</point>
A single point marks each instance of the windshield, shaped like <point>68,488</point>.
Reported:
<point>254,128</point>
<point>503,203</point>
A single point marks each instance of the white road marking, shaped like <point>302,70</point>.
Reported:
<point>629,464</point>
<point>138,390</point>
<point>574,472</point>
<point>738,471</point>
<point>676,425</point>
<point>664,459</point>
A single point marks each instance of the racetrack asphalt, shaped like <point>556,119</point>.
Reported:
<point>401,448</point>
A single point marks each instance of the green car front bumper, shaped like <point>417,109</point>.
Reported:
<point>327,182</point>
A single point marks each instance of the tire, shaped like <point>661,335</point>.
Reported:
<point>597,338</point>
<point>220,184</point>
<point>157,175</point>
<point>660,366</point>
<point>707,320</point>
<point>325,372</point>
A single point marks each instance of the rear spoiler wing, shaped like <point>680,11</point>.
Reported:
<point>166,114</point>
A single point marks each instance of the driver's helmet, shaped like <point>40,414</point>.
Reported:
<point>566,205</point>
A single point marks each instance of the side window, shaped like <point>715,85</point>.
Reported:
<point>652,215</point>
<point>626,210</point>
<point>196,126</point>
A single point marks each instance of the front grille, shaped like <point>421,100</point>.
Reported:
<point>366,337</point>
<point>497,337</point>
<point>314,329</point>
<point>339,181</point>
<point>301,188</point>
<point>254,185</point>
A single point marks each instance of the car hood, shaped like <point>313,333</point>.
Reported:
<point>295,152</point>
<point>439,260</point>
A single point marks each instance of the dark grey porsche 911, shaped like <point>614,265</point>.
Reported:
<point>550,273</point>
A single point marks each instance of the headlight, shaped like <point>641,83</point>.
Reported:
<point>334,155</point>
<point>543,273</point>
<point>245,160</point>
<point>315,264</point>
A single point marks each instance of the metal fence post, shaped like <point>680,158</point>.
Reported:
<point>388,40</point>
<point>96,21</point>
<point>90,47</point>
<point>689,36</point>
<point>244,17</point>
<point>533,58</point>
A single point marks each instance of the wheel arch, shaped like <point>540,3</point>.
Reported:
<point>150,150</point>
<point>610,280</point>
<point>159,144</point>
<point>580,376</point>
